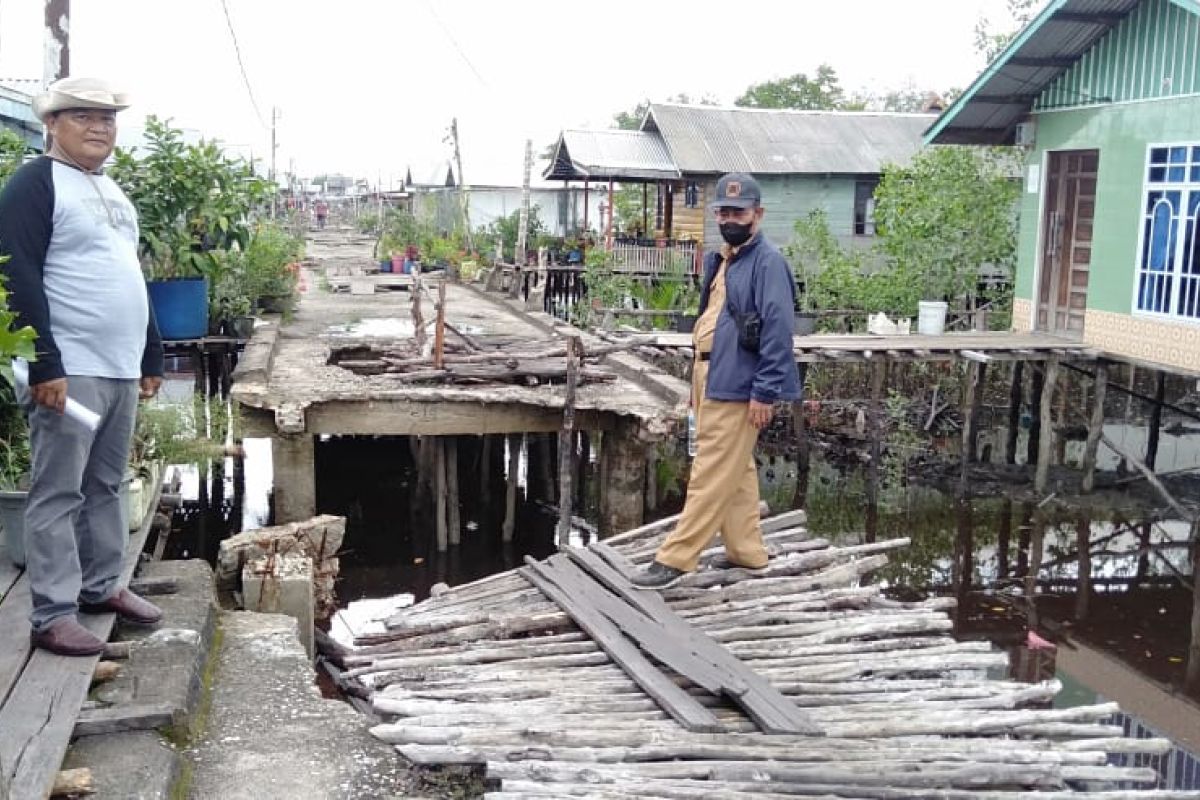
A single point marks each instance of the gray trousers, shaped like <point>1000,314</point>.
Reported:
<point>75,528</point>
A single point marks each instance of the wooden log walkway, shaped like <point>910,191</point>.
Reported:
<point>495,673</point>
<point>42,694</point>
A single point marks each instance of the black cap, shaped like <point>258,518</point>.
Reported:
<point>737,190</point>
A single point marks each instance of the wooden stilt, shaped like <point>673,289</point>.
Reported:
<point>1060,416</point>
<point>1083,544</point>
<point>1037,540</point>
<point>1036,386</point>
<point>1004,537</point>
<point>964,561</point>
<point>803,446</point>
<point>878,379</point>
<point>510,496</point>
<point>485,471</point>
<point>566,440</point>
<point>585,457</point>
<point>546,464</point>
<point>439,491</point>
<point>651,478</point>
<point>1155,423</point>
<point>1095,427</point>
<point>1014,412</point>
<point>970,386</point>
<point>439,330</point>
<point>453,516</point>
<point>1046,442</point>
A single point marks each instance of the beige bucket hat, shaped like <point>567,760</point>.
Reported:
<point>79,93</point>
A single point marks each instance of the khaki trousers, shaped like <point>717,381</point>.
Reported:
<point>722,491</point>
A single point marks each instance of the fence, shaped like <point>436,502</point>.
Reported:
<point>640,257</point>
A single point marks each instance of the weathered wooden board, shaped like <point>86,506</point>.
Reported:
<point>14,632</point>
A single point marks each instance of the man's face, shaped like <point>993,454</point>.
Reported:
<point>87,135</point>
<point>741,216</point>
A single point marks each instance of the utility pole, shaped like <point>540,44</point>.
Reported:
<point>523,229</point>
<point>462,186</point>
<point>56,49</point>
<point>274,183</point>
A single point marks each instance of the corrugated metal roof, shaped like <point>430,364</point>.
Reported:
<point>716,140</point>
<point>616,154</point>
<point>987,113</point>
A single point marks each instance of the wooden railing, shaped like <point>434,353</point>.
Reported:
<point>654,259</point>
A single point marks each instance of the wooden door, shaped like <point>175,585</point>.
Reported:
<point>1066,247</point>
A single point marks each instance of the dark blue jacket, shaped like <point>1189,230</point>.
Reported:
<point>757,279</point>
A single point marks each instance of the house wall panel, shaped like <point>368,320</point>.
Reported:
<point>788,198</point>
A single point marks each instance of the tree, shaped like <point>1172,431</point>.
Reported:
<point>947,216</point>
<point>822,91</point>
<point>989,41</point>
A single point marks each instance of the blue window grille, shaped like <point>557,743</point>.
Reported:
<point>1168,274</point>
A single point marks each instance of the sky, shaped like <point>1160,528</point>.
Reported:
<point>368,87</point>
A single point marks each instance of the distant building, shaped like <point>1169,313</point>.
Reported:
<point>16,115</point>
<point>1105,96</point>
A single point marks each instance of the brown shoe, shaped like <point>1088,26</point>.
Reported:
<point>128,606</point>
<point>66,637</point>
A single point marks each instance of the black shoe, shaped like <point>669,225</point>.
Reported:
<point>657,576</point>
<point>722,561</point>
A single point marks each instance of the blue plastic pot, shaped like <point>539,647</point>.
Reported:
<point>181,307</point>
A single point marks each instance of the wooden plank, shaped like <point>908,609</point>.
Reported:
<point>120,718</point>
<point>14,632</point>
<point>682,707</point>
<point>773,712</point>
<point>39,716</point>
<point>8,575</point>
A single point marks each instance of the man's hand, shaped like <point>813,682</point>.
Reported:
<point>760,414</point>
<point>51,394</point>
<point>148,386</point>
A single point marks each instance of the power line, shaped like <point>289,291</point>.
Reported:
<point>453,41</point>
<point>241,66</point>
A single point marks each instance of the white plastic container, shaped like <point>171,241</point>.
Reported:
<point>931,317</point>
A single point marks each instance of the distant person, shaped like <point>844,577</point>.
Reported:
<point>71,236</point>
<point>744,365</point>
<point>321,209</point>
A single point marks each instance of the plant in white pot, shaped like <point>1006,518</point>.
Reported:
<point>14,492</point>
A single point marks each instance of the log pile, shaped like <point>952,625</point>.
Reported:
<point>463,364</point>
<point>494,674</point>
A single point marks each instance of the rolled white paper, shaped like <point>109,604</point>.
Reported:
<point>74,409</point>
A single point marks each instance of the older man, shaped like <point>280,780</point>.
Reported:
<point>744,364</point>
<point>71,238</point>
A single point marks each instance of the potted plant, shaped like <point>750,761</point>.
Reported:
<point>14,486</point>
<point>193,204</point>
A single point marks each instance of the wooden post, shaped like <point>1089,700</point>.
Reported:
<point>485,471</point>
<point>523,226</point>
<point>1004,537</point>
<point>585,459</point>
<point>566,440</point>
<point>586,195</point>
<point>439,331</point>
<point>439,490</point>
<point>1083,543</point>
<point>1095,428</point>
<point>645,215</point>
<point>1152,427</point>
<point>1014,412</point>
<point>510,496</point>
<point>651,479</point>
<point>546,465</point>
<point>608,230</point>
<point>417,316</point>
<point>1046,443</point>
<point>1060,417</point>
<point>454,517</point>
<point>1036,387</point>
<point>874,420</point>
<point>1036,543</point>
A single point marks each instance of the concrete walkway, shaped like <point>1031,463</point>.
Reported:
<point>269,733</point>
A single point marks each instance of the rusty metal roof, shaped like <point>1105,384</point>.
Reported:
<point>616,154</point>
<point>988,111</point>
<point>709,139</point>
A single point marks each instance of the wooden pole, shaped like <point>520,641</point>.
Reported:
<point>1036,387</point>
<point>1155,423</point>
<point>1014,412</point>
<point>645,215</point>
<point>586,197</point>
<point>1004,537</point>
<point>878,379</point>
<point>523,227</point>
<point>510,496</point>
<point>651,478</point>
<point>485,471</point>
<point>1095,428</point>
<point>454,517</point>
<point>418,316</point>
<point>439,491</point>
<point>608,230</point>
<point>970,416</point>
<point>566,439</point>
<point>1036,543</point>
<point>1046,443</point>
<point>1083,544</point>
<point>439,331</point>
<point>585,458</point>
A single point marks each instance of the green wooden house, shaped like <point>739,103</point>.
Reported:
<point>1105,97</point>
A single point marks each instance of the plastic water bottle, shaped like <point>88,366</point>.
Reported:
<point>691,434</point>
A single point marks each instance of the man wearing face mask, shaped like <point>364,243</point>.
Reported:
<point>744,365</point>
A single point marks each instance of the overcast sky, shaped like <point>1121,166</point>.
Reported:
<point>368,87</point>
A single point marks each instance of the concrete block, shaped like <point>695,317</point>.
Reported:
<point>282,584</point>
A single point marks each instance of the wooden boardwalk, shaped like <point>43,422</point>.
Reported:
<point>41,694</point>
<point>495,674</point>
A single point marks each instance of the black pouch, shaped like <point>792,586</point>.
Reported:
<point>749,328</point>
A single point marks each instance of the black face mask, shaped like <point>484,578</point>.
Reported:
<point>736,235</point>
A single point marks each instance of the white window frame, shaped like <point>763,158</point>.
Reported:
<point>1177,275</point>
